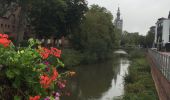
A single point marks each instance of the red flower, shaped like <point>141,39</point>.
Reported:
<point>35,98</point>
<point>44,52</point>
<point>55,74</point>
<point>56,52</point>
<point>45,81</point>
<point>5,42</point>
<point>3,36</point>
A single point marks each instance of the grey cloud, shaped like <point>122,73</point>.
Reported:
<point>138,15</point>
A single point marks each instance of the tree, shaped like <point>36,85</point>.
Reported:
<point>96,37</point>
<point>150,37</point>
<point>47,17</point>
<point>132,39</point>
<point>74,15</point>
<point>56,17</point>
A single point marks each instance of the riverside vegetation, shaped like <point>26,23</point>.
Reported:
<point>138,82</point>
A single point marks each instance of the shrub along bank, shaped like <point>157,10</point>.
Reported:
<point>138,83</point>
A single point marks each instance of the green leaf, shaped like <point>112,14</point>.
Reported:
<point>17,98</point>
<point>16,71</point>
<point>52,98</point>
<point>42,66</point>
<point>17,82</point>
<point>60,63</point>
<point>10,74</point>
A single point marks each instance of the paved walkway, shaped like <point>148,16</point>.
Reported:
<point>165,53</point>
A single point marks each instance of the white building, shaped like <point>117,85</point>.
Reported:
<point>162,33</point>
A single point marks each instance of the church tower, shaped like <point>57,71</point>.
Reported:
<point>118,23</point>
<point>169,15</point>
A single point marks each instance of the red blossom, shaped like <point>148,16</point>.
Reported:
<point>35,98</point>
<point>44,52</point>
<point>55,74</point>
<point>56,52</point>
<point>4,40</point>
<point>45,81</point>
<point>3,35</point>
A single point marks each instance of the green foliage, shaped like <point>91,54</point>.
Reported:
<point>17,98</point>
<point>138,83</point>
<point>96,38</point>
<point>56,17</point>
<point>150,38</point>
<point>134,53</point>
<point>21,71</point>
<point>71,57</point>
<point>47,16</point>
<point>132,39</point>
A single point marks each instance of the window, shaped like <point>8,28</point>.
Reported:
<point>1,25</point>
<point>8,26</point>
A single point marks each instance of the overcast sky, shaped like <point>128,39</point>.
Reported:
<point>138,15</point>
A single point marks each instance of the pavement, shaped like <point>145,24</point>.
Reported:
<point>165,53</point>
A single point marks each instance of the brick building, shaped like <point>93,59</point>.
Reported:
<point>9,22</point>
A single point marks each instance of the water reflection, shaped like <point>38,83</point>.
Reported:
<point>99,82</point>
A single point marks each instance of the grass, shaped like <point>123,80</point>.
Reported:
<point>139,84</point>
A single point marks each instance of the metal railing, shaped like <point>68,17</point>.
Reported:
<point>162,62</point>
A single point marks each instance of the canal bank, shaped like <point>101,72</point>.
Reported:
<point>139,84</point>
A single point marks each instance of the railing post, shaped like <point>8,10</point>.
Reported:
<point>166,70</point>
<point>169,68</point>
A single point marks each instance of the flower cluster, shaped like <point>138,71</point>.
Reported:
<point>46,80</point>
<point>56,96</point>
<point>35,98</point>
<point>61,84</point>
<point>4,40</point>
<point>45,53</point>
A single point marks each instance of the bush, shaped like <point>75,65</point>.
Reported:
<point>138,83</point>
<point>71,57</point>
<point>28,72</point>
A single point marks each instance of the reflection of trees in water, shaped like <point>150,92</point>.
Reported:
<point>116,69</point>
<point>93,80</point>
<point>117,66</point>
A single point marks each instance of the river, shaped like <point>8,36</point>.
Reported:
<point>102,81</point>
